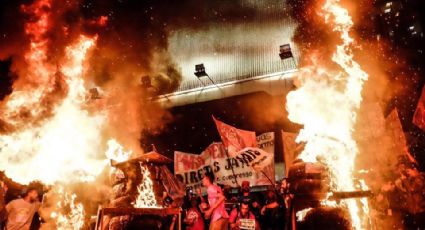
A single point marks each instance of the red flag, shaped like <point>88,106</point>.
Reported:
<point>419,116</point>
<point>235,139</point>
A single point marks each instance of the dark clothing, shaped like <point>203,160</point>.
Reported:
<point>250,199</point>
<point>273,216</point>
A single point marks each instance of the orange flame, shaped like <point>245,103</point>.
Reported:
<point>57,141</point>
<point>74,219</point>
<point>326,104</point>
<point>65,146</point>
<point>116,152</point>
<point>146,197</point>
<point>40,71</point>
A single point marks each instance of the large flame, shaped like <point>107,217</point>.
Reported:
<point>146,197</point>
<point>74,216</point>
<point>48,135</point>
<point>326,103</point>
<point>116,152</point>
<point>39,69</point>
<point>63,147</point>
<point>47,132</point>
<point>59,145</point>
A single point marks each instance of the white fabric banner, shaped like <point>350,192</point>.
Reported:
<point>190,168</point>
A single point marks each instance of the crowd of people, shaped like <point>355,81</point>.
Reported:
<point>18,214</point>
<point>221,209</point>
<point>218,210</point>
<point>399,204</point>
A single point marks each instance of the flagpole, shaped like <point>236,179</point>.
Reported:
<point>268,178</point>
<point>228,157</point>
<point>231,167</point>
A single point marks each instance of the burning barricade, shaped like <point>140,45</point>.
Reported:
<point>145,193</point>
<point>312,197</point>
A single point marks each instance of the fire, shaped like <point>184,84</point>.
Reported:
<point>48,134</point>
<point>301,214</point>
<point>74,219</point>
<point>63,147</point>
<point>116,152</point>
<point>146,197</point>
<point>38,79</point>
<point>326,103</point>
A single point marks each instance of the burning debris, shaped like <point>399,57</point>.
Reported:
<point>70,214</point>
<point>140,184</point>
<point>146,197</point>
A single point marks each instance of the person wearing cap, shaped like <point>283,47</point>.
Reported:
<point>247,197</point>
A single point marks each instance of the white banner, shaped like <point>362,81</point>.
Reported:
<point>190,168</point>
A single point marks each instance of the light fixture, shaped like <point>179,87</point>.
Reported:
<point>285,52</point>
<point>200,70</point>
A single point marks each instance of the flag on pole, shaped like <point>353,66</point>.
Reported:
<point>235,139</point>
<point>419,116</point>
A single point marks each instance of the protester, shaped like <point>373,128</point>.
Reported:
<point>193,219</point>
<point>286,199</point>
<point>3,213</point>
<point>21,211</point>
<point>272,212</point>
<point>216,212</point>
<point>245,193</point>
<point>250,198</point>
<point>242,213</point>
